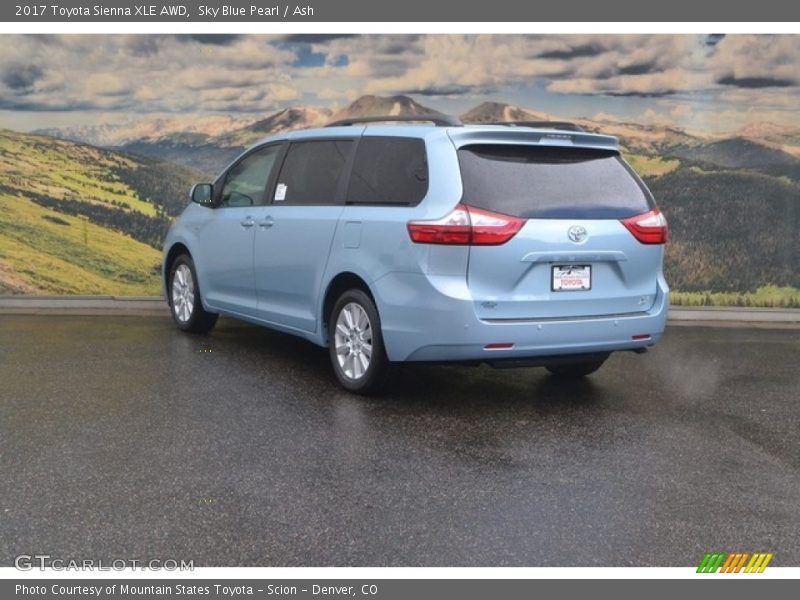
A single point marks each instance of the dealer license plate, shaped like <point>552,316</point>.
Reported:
<point>572,278</point>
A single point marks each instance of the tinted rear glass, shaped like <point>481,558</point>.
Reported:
<point>389,170</point>
<point>550,183</point>
<point>311,172</point>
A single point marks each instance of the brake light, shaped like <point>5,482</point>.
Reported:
<point>466,226</point>
<point>648,228</point>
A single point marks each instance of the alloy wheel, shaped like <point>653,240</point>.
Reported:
<point>183,293</point>
<point>353,340</point>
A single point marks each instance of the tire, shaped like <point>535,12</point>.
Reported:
<point>576,370</point>
<point>185,302</point>
<point>355,344</point>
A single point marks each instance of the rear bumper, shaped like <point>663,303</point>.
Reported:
<point>428,318</point>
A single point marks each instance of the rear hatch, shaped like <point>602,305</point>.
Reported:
<point>574,255</point>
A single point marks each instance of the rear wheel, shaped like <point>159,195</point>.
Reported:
<point>574,370</point>
<point>185,301</point>
<point>355,343</point>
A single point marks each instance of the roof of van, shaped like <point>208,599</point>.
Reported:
<point>461,135</point>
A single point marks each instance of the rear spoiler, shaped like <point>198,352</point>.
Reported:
<point>562,125</point>
<point>464,136</point>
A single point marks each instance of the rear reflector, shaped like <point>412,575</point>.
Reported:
<point>648,228</point>
<point>466,226</point>
<point>499,346</point>
<point>640,337</point>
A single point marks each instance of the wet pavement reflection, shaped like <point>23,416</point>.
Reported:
<point>122,437</point>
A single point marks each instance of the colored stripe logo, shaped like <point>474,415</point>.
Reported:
<point>734,562</point>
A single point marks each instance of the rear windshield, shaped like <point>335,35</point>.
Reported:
<point>551,183</point>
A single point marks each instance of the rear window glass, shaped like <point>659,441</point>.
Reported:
<point>551,183</point>
<point>311,172</point>
<point>389,170</point>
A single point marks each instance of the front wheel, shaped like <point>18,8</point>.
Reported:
<point>355,343</point>
<point>184,295</point>
<point>581,369</point>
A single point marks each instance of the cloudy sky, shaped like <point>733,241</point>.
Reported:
<point>708,82</point>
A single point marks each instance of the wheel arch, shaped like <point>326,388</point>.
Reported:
<point>339,284</point>
<point>175,251</point>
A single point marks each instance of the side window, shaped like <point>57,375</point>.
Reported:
<point>389,170</point>
<point>311,172</point>
<point>246,181</point>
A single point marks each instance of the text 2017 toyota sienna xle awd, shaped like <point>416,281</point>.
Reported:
<point>526,244</point>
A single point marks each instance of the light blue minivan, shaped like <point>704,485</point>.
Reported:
<point>512,244</point>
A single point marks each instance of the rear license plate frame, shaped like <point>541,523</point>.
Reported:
<point>558,271</point>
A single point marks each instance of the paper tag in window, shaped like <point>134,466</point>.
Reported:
<point>280,192</point>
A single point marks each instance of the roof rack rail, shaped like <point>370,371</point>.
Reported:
<point>438,120</point>
<point>561,125</point>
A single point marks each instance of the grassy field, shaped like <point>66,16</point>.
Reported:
<point>767,296</point>
<point>44,250</point>
<point>62,169</point>
<point>651,166</point>
<point>50,253</point>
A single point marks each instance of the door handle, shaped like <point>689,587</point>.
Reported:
<point>266,223</point>
<point>247,222</point>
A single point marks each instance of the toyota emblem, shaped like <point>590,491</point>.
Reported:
<point>577,234</point>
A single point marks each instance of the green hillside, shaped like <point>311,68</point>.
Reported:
<point>733,236</point>
<point>738,153</point>
<point>652,166</point>
<point>207,158</point>
<point>81,220</point>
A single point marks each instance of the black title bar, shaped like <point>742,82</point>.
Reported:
<point>77,11</point>
<point>731,588</point>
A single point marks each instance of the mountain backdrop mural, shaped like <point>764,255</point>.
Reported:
<point>93,170</point>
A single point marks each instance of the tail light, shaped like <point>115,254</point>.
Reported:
<point>466,226</point>
<point>648,228</point>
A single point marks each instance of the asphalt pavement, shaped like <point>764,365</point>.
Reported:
<point>121,437</point>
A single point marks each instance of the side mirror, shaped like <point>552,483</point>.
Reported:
<point>202,193</point>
